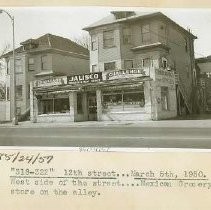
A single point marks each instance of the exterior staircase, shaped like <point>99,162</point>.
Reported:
<point>186,97</point>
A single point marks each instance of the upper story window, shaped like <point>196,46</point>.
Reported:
<point>44,65</point>
<point>127,37</point>
<point>31,64</point>
<point>94,43</point>
<point>94,68</point>
<point>128,64</point>
<point>110,66</point>
<point>145,33</point>
<point>108,39</point>
<point>18,66</point>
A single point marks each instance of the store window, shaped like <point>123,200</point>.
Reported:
<point>31,64</point>
<point>127,100</point>
<point>110,66</point>
<point>145,33</point>
<point>44,64</point>
<point>79,103</point>
<point>18,66</point>
<point>108,39</point>
<point>128,64</point>
<point>54,106</point>
<point>94,43</point>
<point>164,98</point>
<point>19,92</point>
<point>127,37</point>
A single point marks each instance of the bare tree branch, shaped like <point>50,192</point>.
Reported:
<point>5,49</point>
<point>83,40</point>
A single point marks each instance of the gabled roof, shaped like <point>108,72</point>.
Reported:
<point>111,19</point>
<point>203,59</point>
<point>50,41</point>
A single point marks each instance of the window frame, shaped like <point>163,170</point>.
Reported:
<point>94,43</point>
<point>31,64</point>
<point>165,91</point>
<point>126,36</point>
<point>106,39</point>
<point>127,61</point>
<point>144,33</point>
<point>113,62</point>
<point>44,63</point>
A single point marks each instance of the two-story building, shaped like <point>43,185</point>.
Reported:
<point>134,60</point>
<point>44,57</point>
<point>153,42</point>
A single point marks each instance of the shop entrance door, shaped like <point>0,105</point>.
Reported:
<point>92,106</point>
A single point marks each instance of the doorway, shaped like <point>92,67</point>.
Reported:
<point>92,106</point>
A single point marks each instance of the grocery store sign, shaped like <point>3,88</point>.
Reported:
<point>128,73</point>
<point>85,78</point>
<point>54,81</point>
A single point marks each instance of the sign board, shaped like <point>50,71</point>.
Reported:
<point>54,81</point>
<point>85,78</point>
<point>125,73</point>
<point>165,78</point>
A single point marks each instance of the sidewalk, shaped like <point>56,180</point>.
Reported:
<point>206,123</point>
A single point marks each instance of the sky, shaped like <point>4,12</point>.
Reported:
<point>69,21</point>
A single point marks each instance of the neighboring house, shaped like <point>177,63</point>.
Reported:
<point>126,40</point>
<point>204,81</point>
<point>42,58</point>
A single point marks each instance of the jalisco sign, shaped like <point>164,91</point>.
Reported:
<point>85,78</point>
<point>51,82</point>
<point>129,73</point>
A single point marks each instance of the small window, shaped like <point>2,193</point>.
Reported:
<point>164,63</point>
<point>164,98</point>
<point>8,93</point>
<point>186,45</point>
<point>19,92</point>
<point>94,43</point>
<point>145,34</point>
<point>146,62</point>
<point>8,66</point>
<point>108,39</point>
<point>79,103</point>
<point>18,111</point>
<point>128,64</point>
<point>110,66</point>
<point>44,65</point>
<point>94,68</point>
<point>31,64</point>
<point>28,91</point>
<point>127,38</point>
<point>18,66</point>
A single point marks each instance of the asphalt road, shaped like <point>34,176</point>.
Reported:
<point>107,137</point>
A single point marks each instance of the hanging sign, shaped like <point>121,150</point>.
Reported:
<point>127,73</point>
<point>54,81</point>
<point>85,78</point>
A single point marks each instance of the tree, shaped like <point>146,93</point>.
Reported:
<point>83,40</point>
<point>4,49</point>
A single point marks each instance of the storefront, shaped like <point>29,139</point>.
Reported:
<point>121,95</point>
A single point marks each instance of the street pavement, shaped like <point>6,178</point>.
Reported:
<point>150,134</point>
